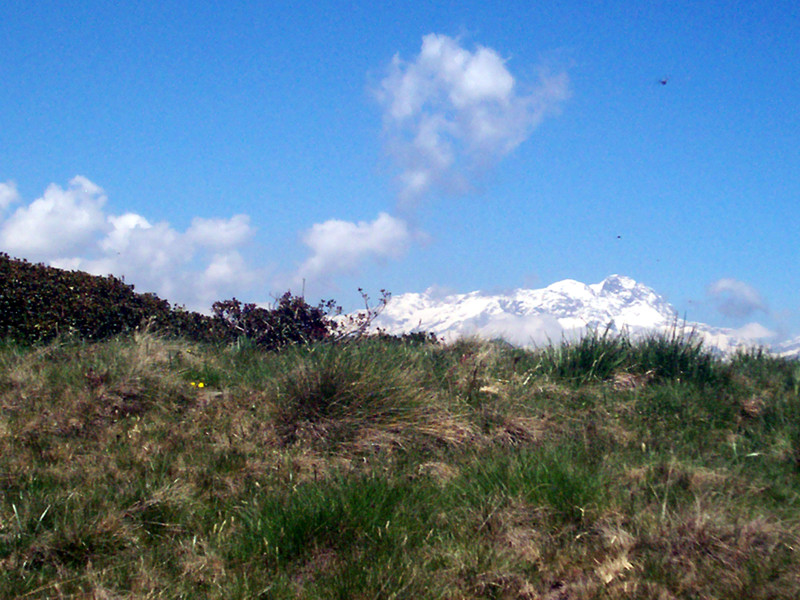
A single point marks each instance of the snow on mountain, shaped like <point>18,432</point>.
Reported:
<point>789,348</point>
<point>563,310</point>
<point>524,317</point>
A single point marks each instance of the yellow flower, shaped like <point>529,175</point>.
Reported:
<point>193,384</point>
<point>201,384</point>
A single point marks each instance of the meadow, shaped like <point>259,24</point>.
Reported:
<point>148,466</point>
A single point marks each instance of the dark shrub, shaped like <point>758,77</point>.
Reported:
<point>39,303</point>
<point>291,321</point>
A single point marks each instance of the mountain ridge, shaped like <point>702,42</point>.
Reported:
<point>562,310</point>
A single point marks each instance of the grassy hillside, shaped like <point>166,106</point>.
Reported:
<point>144,467</point>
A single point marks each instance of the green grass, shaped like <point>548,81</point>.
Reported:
<point>379,468</point>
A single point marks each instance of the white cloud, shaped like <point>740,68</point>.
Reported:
<point>735,298</point>
<point>451,112</point>
<point>8,195</point>
<point>225,268</point>
<point>527,330</point>
<point>754,331</point>
<point>181,266</point>
<point>122,229</point>
<point>342,247</point>
<point>68,228</point>
<point>220,233</point>
<point>61,221</point>
<point>225,276</point>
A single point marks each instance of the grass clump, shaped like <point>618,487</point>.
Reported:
<point>397,468</point>
<point>673,355</point>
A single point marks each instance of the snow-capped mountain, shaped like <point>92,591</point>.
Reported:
<point>563,310</point>
<point>789,348</point>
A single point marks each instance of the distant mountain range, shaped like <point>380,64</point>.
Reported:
<point>563,310</point>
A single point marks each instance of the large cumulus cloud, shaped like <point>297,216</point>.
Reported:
<point>452,112</point>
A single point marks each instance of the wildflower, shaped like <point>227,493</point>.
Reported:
<point>201,385</point>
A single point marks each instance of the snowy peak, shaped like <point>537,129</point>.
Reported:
<point>563,310</point>
<point>526,316</point>
<point>616,284</point>
<point>570,287</point>
<point>789,348</point>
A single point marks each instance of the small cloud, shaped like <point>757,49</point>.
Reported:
<point>220,233</point>
<point>451,113</point>
<point>735,298</point>
<point>754,331</point>
<point>343,247</point>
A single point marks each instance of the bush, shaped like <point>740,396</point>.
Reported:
<point>39,303</point>
<point>292,321</point>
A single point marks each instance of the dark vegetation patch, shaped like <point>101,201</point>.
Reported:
<point>40,303</point>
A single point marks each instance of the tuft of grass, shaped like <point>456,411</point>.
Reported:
<point>671,356</point>
<point>676,356</point>
<point>592,357</point>
<point>334,395</point>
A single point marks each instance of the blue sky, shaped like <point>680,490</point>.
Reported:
<point>206,150</point>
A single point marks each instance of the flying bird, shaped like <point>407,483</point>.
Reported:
<point>663,81</point>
